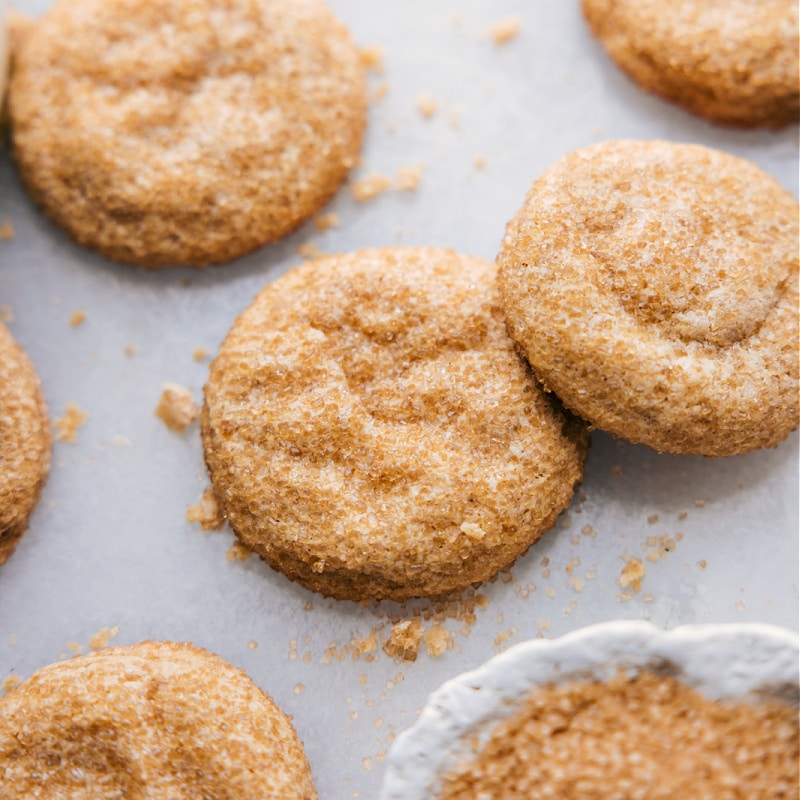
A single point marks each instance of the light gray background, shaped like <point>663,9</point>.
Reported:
<point>109,544</point>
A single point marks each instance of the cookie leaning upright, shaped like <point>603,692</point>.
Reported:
<point>24,442</point>
<point>654,288</point>
<point>185,131</point>
<point>371,432</point>
<point>159,720</point>
<point>733,62</point>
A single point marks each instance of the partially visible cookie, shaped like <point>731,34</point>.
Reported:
<point>733,62</point>
<point>654,288</point>
<point>24,442</point>
<point>158,720</point>
<point>370,430</point>
<point>185,131</point>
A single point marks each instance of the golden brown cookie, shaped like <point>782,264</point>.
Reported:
<point>158,720</point>
<point>24,442</point>
<point>654,288</point>
<point>371,432</point>
<point>185,131</point>
<point>731,61</point>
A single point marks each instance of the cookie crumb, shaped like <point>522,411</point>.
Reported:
<point>370,187</point>
<point>10,682</point>
<point>632,573</point>
<point>238,551</point>
<point>299,688</point>
<point>361,645</point>
<point>6,314</point>
<point>74,648</point>
<point>371,58</point>
<point>479,162</point>
<point>310,251</point>
<point>437,639</point>
<point>78,318</point>
<point>366,762</point>
<point>616,470</point>
<point>130,349</point>
<point>6,231</point>
<point>67,426</point>
<point>702,564</point>
<point>200,353</point>
<point>206,512</point>
<point>699,503</point>
<point>740,606</point>
<point>176,408</point>
<point>404,640</point>
<point>101,639</point>
<point>408,178</point>
<point>506,29</point>
<point>252,644</point>
<point>324,222</point>
<point>379,92</point>
<point>121,441</point>
<point>652,519</point>
<point>426,105</point>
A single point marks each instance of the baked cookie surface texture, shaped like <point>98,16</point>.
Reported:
<point>189,131</point>
<point>371,432</point>
<point>733,62</point>
<point>25,442</point>
<point>654,288</point>
<point>155,720</point>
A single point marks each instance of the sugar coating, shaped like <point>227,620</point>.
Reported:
<point>644,738</point>
<point>156,720</point>
<point>185,132</point>
<point>25,442</point>
<point>371,432</point>
<point>731,61</point>
<point>654,288</point>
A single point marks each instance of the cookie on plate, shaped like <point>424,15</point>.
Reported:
<point>156,719</point>
<point>185,131</point>
<point>731,61</point>
<point>654,288</point>
<point>371,432</point>
<point>24,442</point>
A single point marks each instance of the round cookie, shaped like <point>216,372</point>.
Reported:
<point>371,432</point>
<point>654,288</point>
<point>24,442</point>
<point>157,720</point>
<point>731,61</point>
<point>185,131</point>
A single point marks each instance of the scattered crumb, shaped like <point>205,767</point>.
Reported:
<point>647,598</point>
<point>702,564</point>
<point>367,764</point>
<point>699,503</point>
<point>506,29</point>
<point>310,250</point>
<point>293,650</point>
<point>253,644</point>
<point>309,606</point>
<point>370,187</point>
<point>130,349</point>
<point>616,471</point>
<point>238,551</point>
<point>6,231</point>
<point>577,585</point>
<point>78,318</point>
<point>408,178</point>
<point>206,512</point>
<point>102,638</point>
<point>67,426</point>
<point>740,606</point>
<point>324,222</point>
<point>364,644</point>
<point>427,105</point>
<point>479,162</point>
<point>380,91</point>
<point>200,353</point>
<point>404,640</point>
<point>121,441</point>
<point>299,688</point>
<point>371,58</point>
<point>682,516</point>
<point>6,314</point>
<point>588,530</point>
<point>652,519</point>
<point>74,648</point>
<point>550,592</point>
<point>177,408</point>
<point>10,682</point>
<point>503,636</point>
<point>565,521</point>
<point>632,574</point>
<point>437,640</point>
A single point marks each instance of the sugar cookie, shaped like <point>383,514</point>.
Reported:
<point>730,61</point>
<point>157,720</point>
<point>371,432</point>
<point>654,288</point>
<point>185,131</point>
<point>24,442</point>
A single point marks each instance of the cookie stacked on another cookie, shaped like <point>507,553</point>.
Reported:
<point>185,131</point>
<point>654,288</point>
<point>733,62</point>
<point>156,720</point>
<point>370,430</point>
<point>24,442</point>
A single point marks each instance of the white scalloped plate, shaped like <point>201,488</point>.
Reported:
<point>720,661</point>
